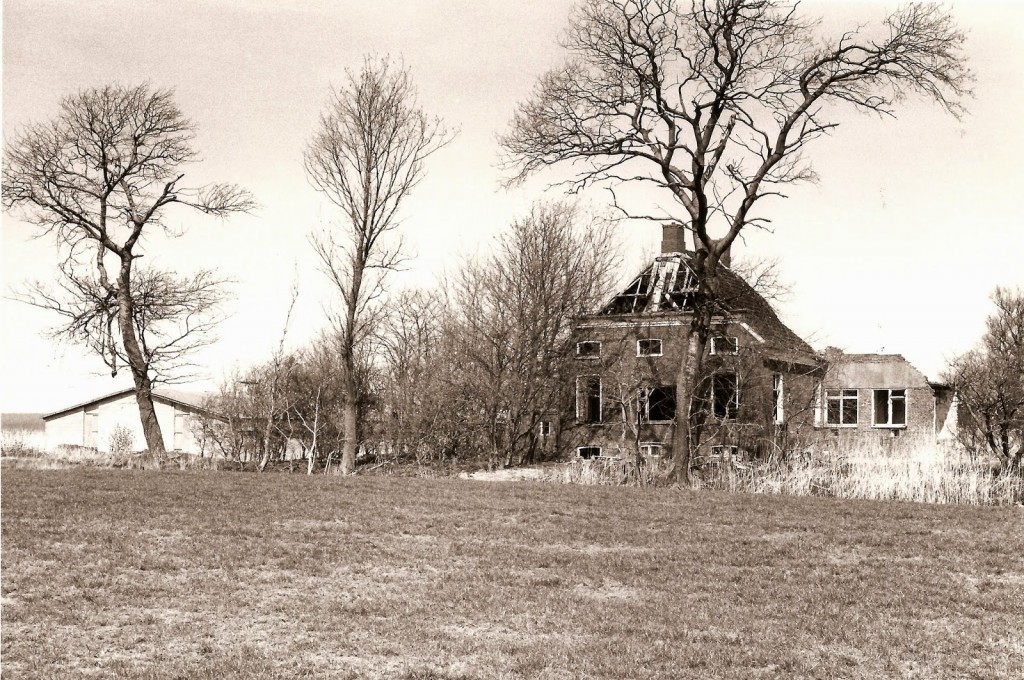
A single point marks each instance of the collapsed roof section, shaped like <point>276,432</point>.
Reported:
<point>669,286</point>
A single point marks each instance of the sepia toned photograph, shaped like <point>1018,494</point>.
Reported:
<point>451,340</point>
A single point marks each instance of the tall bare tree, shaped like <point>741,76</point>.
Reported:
<point>989,381</point>
<point>98,177</point>
<point>366,157</point>
<point>714,105</point>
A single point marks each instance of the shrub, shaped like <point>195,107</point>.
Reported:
<point>121,442</point>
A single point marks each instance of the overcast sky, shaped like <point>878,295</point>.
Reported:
<point>914,221</point>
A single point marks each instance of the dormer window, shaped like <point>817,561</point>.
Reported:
<point>648,347</point>
<point>588,349</point>
<point>725,345</point>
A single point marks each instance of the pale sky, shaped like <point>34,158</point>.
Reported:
<point>914,221</point>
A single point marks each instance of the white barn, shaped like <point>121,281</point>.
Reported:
<point>90,424</point>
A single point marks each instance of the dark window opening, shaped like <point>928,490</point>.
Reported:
<point>723,345</point>
<point>725,396</point>
<point>890,408</point>
<point>545,428</point>
<point>658,404</point>
<point>587,452</point>
<point>588,348</point>
<point>648,347</point>
<point>588,399</point>
<point>841,407</point>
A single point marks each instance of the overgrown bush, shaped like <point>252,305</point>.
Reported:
<point>121,442</point>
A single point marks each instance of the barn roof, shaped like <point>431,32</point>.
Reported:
<point>667,287</point>
<point>178,397</point>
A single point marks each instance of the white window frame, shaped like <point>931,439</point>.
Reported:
<point>661,347</point>
<point>841,397</point>
<point>651,449</point>
<point>779,402</point>
<point>889,424</point>
<point>732,352</point>
<point>600,399</point>
<point>579,450</point>
<point>542,426</point>
<point>596,355</point>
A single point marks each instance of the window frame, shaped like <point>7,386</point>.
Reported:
<point>661,347</point>
<point>579,452</point>
<point>889,425</point>
<point>600,400</point>
<point>647,449</point>
<point>643,400</point>
<point>778,398</point>
<point>841,397</point>
<point>544,428</point>
<point>734,348</point>
<point>732,414</point>
<point>594,355</point>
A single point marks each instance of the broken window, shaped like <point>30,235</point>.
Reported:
<point>778,399</point>
<point>724,345</point>
<point>588,349</point>
<point>890,408</point>
<point>648,347</point>
<point>588,451</point>
<point>657,404</point>
<point>588,399</point>
<point>841,407</point>
<point>725,395</point>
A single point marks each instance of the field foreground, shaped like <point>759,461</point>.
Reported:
<point>132,574</point>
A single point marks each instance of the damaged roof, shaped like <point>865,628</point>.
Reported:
<point>667,287</point>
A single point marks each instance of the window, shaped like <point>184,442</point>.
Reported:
<point>657,404</point>
<point>650,347</point>
<point>588,452</point>
<point>725,395</point>
<point>588,349</point>
<point>91,428</point>
<point>650,450</point>
<point>723,452</point>
<point>723,345</point>
<point>180,423</point>
<point>588,399</point>
<point>890,408</point>
<point>545,428</point>
<point>841,407</point>
<point>778,399</point>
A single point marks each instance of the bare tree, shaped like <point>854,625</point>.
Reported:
<point>714,105</point>
<point>989,383</point>
<point>367,155</point>
<point>172,316</point>
<point>97,177</point>
<point>514,318</point>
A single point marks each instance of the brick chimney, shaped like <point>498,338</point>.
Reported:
<point>672,235</point>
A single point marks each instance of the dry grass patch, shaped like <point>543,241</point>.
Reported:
<point>134,574</point>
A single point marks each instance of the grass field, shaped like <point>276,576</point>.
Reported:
<point>133,574</point>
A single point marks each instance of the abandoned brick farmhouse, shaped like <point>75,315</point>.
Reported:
<point>766,389</point>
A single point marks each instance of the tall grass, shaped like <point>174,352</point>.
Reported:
<point>911,471</point>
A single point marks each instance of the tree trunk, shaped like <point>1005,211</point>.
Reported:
<point>137,363</point>
<point>350,419</point>
<point>687,433</point>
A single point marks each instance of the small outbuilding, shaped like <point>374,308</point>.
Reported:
<point>90,424</point>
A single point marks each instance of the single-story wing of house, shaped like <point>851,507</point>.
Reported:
<point>90,424</point>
